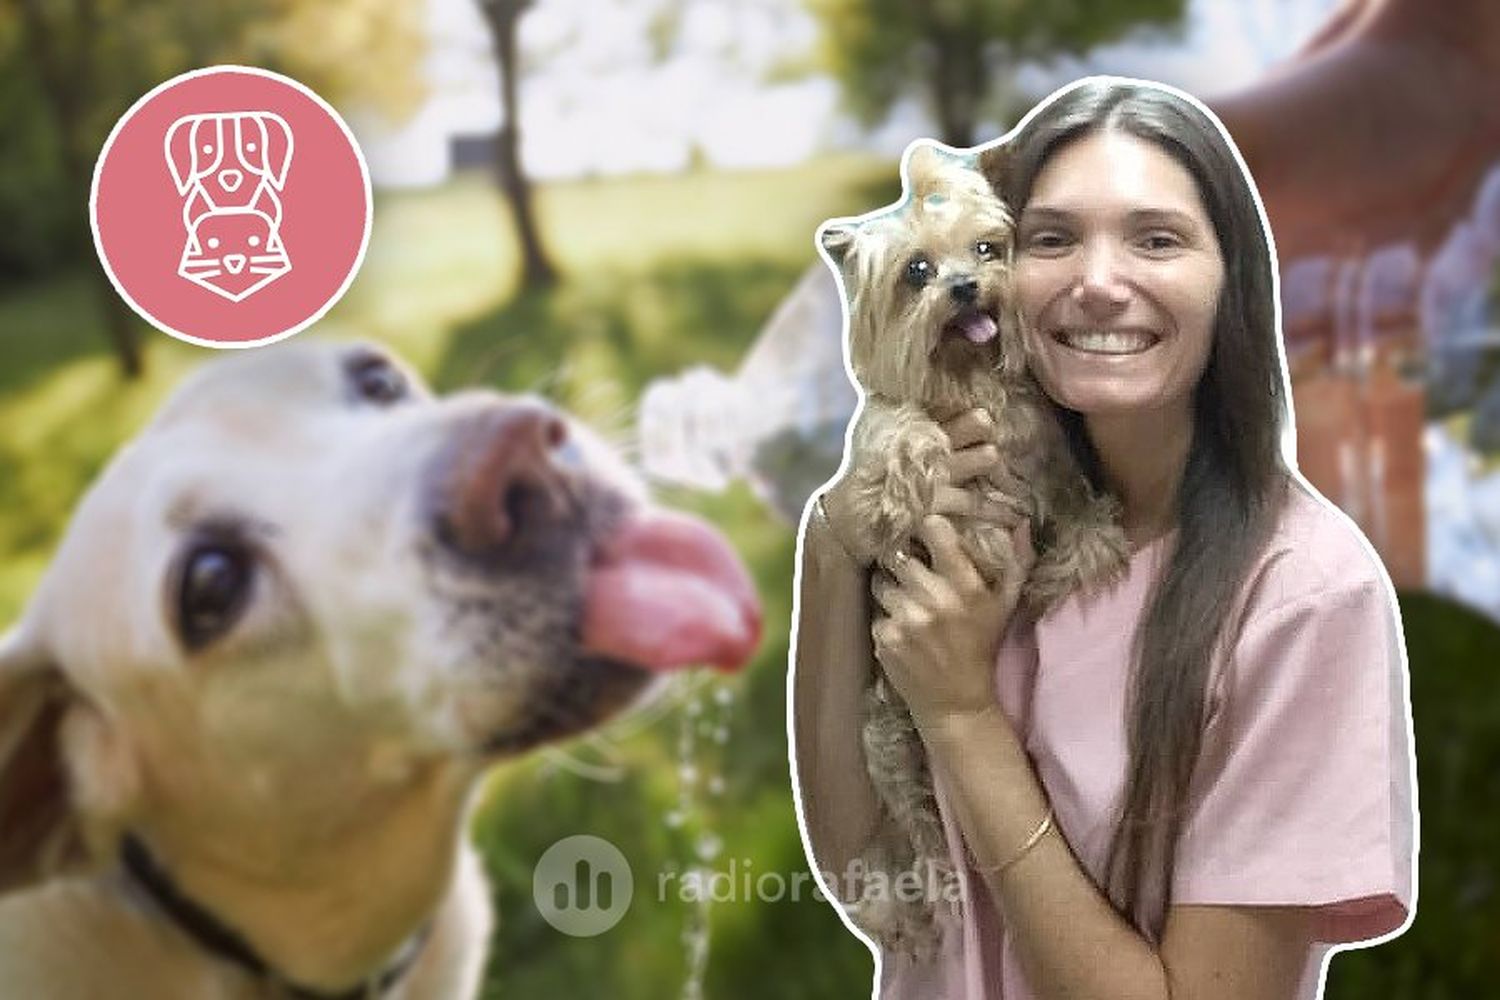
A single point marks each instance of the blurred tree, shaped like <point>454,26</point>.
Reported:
<point>70,68</point>
<point>959,56</point>
<point>503,18</point>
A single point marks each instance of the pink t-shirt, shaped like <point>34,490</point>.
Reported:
<point>1303,792</point>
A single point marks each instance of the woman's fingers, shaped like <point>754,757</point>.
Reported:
<point>969,428</point>
<point>987,505</point>
<point>949,560</point>
<point>982,461</point>
<point>910,573</point>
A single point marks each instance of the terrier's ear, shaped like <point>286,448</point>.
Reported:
<point>924,165</point>
<point>39,832</point>
<point>837,240</point>
<point>995,164</point>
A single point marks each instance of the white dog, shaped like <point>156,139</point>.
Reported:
<point>285,632</point>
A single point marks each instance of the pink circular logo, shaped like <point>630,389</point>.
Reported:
<point>231,206</point>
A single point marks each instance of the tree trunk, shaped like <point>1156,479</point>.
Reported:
<point>66,73</point>
<point>956,80</point>
<point>537,270</point>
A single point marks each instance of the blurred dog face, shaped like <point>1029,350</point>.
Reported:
<point>928,284</point>
<point>309,579</point>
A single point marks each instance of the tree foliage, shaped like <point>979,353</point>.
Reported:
<point>959,56</point>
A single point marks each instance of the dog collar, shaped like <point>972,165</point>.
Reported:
<point>214,936</point>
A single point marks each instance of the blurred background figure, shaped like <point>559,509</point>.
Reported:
<point>612,203</point>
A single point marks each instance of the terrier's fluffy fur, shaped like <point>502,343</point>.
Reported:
<point>932,333</point>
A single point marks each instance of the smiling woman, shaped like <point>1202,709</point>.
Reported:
<point>1110,216</point>
<point>1193,783</point>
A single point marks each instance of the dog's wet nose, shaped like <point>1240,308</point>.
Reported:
<point>508,479</point>
<point>964,290</point>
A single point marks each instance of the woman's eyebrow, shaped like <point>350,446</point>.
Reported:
<point>1044,214</point>
<point>1162,216</point>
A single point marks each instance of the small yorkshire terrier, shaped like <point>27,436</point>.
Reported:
<point>933,333</point>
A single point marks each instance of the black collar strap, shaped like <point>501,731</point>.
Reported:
<point>214,936</point>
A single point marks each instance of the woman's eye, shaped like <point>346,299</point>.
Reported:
<point>918,271</point>
<point>1046,241</point>
<point>214,592</point>
<point>1158,242</point>
<point>376,380</point>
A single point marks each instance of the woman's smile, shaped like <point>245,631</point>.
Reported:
<point>1088,340</point>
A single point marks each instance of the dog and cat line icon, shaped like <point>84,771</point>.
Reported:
<point>229,169</point>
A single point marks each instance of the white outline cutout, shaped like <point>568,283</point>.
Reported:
<point>196,265</point>
<point>1289,455</point>
<point>364,173</point>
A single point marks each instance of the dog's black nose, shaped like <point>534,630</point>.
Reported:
<point>506,477</point>
<point>964,290</point>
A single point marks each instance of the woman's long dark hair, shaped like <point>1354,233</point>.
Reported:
<point>1231,488</point>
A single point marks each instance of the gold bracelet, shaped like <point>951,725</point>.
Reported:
<point>1031,841</point>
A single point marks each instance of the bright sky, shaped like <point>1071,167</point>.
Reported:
<point>595,101</point>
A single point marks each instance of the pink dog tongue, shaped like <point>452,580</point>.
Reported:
<point>667,591</point>
<point>978,327</point>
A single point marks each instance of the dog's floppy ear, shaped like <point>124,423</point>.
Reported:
<point>182,152</point>
<point>837,239</point>
<point>275,152</point>
<point>39,832</point>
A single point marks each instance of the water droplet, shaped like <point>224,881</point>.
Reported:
<point>688,773</point>
<point>675,818</point>
<point>716,785</point>
<point>708,847</point>
<point>724,696</point>
<point>694,708</point>
<point>721,734</point>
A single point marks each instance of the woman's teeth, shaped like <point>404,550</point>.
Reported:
<point>1107,342</point>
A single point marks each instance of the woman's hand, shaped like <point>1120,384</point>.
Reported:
<point>937,628</point>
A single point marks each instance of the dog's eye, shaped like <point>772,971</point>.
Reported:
<point>986,250</point>
<point>919,271</point>
<point>376,380</point>
<point>214,592</point>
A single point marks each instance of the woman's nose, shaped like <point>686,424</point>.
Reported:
<point>1100,286</point>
